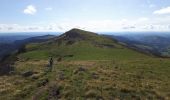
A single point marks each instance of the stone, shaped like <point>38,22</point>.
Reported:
<point>27,73</point>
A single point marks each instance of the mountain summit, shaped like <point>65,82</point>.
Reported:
<point>82,44</point>
<point>78,33</point>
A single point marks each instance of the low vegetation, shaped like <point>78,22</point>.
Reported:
<point>86,69</point>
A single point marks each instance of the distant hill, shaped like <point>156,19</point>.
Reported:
<point>8,48</point>
<point>156,44</point>
<point>12,37</point>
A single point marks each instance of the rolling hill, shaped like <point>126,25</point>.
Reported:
<point>156,43</point>
<point>8,48</point>
<point>82,45</point>
<point>86,66</point>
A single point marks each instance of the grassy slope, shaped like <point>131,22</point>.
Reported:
<point>108,73</point>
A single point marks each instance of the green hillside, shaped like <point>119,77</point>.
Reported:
<point>83,46</point>
<point>87,66</point>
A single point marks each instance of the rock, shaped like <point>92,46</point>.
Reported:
<point>27,73</point>
<point>42,82</point>
<point>36,76</point>
<point>94,75</point>
<point>80,69</point>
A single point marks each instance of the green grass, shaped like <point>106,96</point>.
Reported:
<point>92,73</point>
<point>123,79</point>
<point>121,73</point>
<point>39,54</point>
<point>83,51</point>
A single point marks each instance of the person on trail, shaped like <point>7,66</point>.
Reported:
<point>51,62</point>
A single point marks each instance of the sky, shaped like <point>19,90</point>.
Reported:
<point>91,15</point>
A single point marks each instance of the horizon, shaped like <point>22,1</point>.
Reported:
<point>90,15</point>
<point>104,33</point>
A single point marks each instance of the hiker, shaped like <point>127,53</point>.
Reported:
<point>51,62</point>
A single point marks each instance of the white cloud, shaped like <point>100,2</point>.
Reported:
<point>50,27</point>
<point>49,8</point>
<point>159,23</point>
<point>162,11</point>
<point>30,9</point>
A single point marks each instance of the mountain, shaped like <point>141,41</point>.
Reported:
<point>8,48</point>
<point>12,37</point>
<point>85,66</point>
<point>7,43</point>
<point>82,45</point>
<point>155,44</point>
<point>36,39</point>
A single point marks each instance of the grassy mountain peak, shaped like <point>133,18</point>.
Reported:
<point>82,45</point>
<point>74,32</point>
<point>82,35</point>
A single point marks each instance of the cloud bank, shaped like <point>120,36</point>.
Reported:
<point>139,24</point>
<point>162,11</point>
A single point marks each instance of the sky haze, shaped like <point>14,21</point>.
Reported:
<point>91,15</point>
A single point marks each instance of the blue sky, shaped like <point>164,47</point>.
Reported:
<point>92,15</point>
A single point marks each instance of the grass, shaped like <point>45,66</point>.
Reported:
<point>92,73</point>
<point>82,51</point>
<point>125,79</point>
<point>40,54</point>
